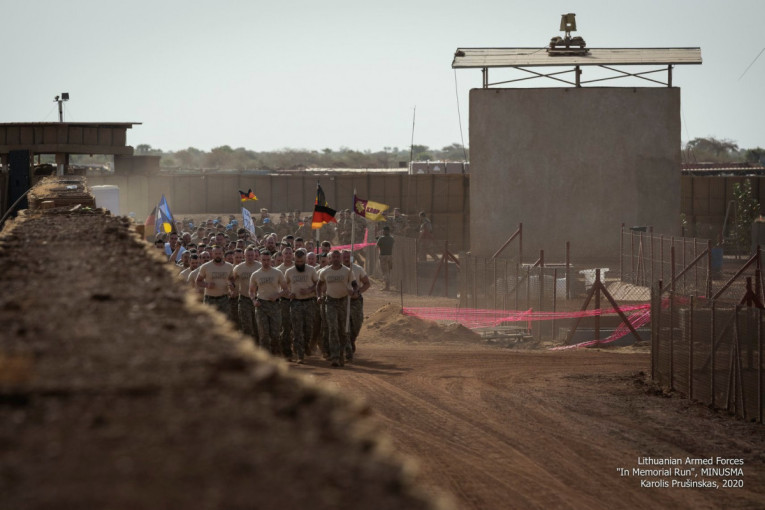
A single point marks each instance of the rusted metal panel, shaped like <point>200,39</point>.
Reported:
<point>90,135</point>
<point>27,135</point>
<point>75,134</point>
<point>62,134</point>
<point>104,136</point>
<point>49,135</point>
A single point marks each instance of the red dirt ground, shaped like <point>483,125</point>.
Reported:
<point>115,392</point>
<point>536,429</point>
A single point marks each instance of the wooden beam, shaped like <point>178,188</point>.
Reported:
<point>53,148</point>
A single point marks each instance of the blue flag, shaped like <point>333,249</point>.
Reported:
<point>165,222</point>
<point>247,221</point>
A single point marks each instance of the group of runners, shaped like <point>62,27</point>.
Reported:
<point>293,297</point>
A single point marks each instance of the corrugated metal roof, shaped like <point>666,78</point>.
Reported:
<point>89,124</point>
<point>537,57</point>
<point>714,169</point>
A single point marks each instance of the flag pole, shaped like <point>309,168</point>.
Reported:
<point>316,233</point>
<point>353,235</point>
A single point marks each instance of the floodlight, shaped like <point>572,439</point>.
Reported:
<point>568,22</point>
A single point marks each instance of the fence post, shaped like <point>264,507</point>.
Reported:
<point>446,269</point>
<point>652,258</point>
<point>528,287</point>
<point>632,256</point>
<point>507,287</point>
<point>555,302</point>
<point>597,305</point>
<point>541,295</point>
<point>520,243</point>
<point>672,269</point>
<point>695,271</point>
<point>709,269</point>
<point>685,291</point>
<point>517,282</point>
<point>494,271</point>
<point>661,255</point>
<point>690,347</point>
<point>621,254</point>
<point>759,364</point>
<point>568,270</point>
<point>672,334</point>
<point>712,352</point>
<point>655,327</point>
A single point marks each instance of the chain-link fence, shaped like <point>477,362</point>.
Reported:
<point>646,258</point>
<point>418,267</point>
<point>505,284</point>
<point>710,351</point>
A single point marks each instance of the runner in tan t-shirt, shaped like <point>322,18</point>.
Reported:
<point>301,280</point>
<point>214,277</point>
<point>334,287</point>
<point>245,307</point>
<point>267,285</point>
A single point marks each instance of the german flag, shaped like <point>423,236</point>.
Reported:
<point>247,196</point>
<point>322,213</point>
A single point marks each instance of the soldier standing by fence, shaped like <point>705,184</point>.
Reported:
<point>385,248</point>
<point>426,238</point>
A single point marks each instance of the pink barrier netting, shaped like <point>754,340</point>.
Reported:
<point>481,318</point>
<point>638,315</point>
<point>356,246</point>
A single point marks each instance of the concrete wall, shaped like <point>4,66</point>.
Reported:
<point>572,165</point>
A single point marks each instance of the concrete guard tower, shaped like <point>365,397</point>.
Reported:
<point>574,162</point>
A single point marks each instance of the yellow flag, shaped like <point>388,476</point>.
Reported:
<point>368,209</point>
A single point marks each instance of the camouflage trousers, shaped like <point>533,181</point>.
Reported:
<point>220,303</point>
<point>233,312</point>
<point>246,310</point>
<point>285,331</point>
<point>386,266</point>
<point>319,332</point>
<point>335,310</point>
<point>357,318</point>
<point>269,318</point>
<point>302,315</point>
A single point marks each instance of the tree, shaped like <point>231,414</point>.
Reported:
<point>712,149</point>
<point>145,149</point>
<point>755,155</point>
<point>747,210</point>
<point>453,152</point>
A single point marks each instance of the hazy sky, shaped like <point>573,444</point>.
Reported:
<point>267,75</point>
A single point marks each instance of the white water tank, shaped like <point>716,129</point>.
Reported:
<point>108,197</point>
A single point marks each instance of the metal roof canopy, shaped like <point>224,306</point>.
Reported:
<point>521,58</point>
<point>66,137</point>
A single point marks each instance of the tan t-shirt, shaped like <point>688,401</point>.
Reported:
<point>303,285</point>
<point>338,281</point>
<point>358,274</point>
<point>281,267</point>
<point>184,275</point>
<point>218,274</point>
<point>265,283</point>
<point>242,273</point>
<point>192,280</point>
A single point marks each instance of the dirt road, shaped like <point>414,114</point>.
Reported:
<point>539,429</point>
